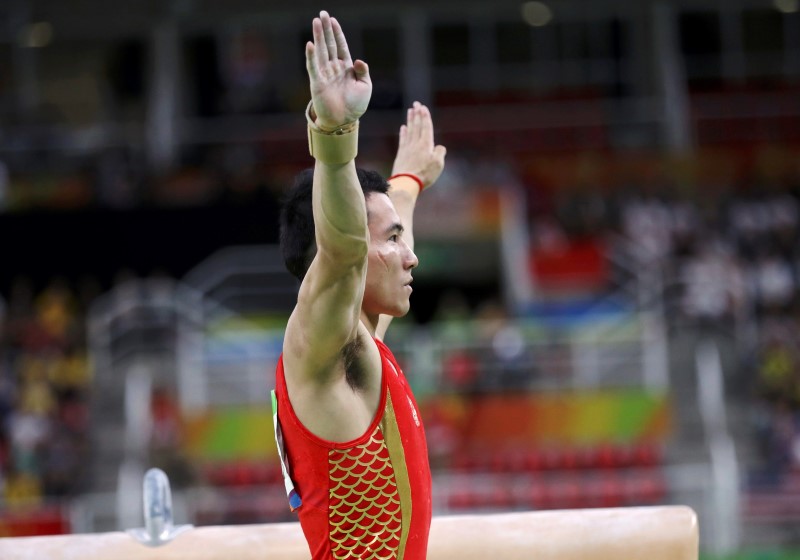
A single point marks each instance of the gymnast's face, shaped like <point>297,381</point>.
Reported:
<point>390,261</point>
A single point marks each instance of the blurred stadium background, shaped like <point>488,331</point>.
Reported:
<point>606,313</point>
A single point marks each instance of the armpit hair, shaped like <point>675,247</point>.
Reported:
<point>353,367</point>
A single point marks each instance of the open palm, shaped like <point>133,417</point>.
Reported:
<point>340,88</point>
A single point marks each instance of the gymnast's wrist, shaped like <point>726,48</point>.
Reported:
<point>327,128</point>
<point>335,146</point>
<point>410,177</point>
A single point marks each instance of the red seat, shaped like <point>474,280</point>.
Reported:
<point>566,494</point>
<point>534,460</point>
<point>612,491</point>
<point>536,495</point>
<point>645,488</point>
<point>461,499</point>
<point>647,454</point>
<point>501,497</point>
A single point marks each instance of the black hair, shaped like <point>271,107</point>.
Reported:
<point>297,240</point>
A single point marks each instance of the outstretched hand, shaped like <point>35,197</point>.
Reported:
<point>340,88</point>
<point>417,153</point>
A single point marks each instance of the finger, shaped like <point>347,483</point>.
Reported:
<point>403,134</point>
<point>330,40</point>
<point>361,70</point>
<point>311,61</point>
<point>320,50</point>
<point>426,123</point>
<point>416,121</point>
<point>439,153</point>
<point>341,42</point>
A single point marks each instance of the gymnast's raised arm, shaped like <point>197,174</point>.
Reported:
<point>327,316</point>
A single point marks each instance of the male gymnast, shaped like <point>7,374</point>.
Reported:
<point>347,425</point>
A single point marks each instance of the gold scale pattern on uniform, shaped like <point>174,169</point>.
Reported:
<point>365,517</point>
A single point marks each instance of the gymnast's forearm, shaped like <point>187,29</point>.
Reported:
<point>340,92</point>
<point>340,212</point>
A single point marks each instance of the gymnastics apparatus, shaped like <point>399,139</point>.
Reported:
<point>647,533</point>
<point>634,533</point>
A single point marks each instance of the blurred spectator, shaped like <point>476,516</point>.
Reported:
<point>506,364</point>
<point>583,211</point>
<point>43,391</point>
<point>749,221</point>
<point>29,434</point>
<point>712,280</point>
<point>686,225</point>
<point>62,464</point>
<point>22,489</point>
<point>648,222</point>
<point>777,371</point>
<point>548,236</point>
<point>772,282</point>
<point>55,319</point>
<point>782,438</point>
<point>784,221</point>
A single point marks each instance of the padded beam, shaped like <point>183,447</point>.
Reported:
<point>649,533</point>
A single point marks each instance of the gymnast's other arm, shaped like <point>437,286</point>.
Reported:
<point>417,155</point>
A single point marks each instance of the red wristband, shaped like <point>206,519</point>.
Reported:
<point>410,176</point>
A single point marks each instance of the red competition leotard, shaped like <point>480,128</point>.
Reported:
<point>365,498</point>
